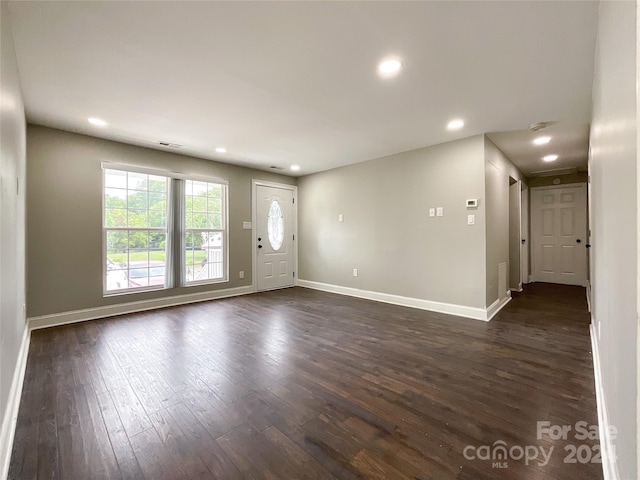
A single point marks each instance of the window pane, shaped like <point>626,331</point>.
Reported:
<point>115,178</point>
<point>157,184</point>
<point>157,201</point>
<point>138,219</point>
<point>117,241</point>
<point>275,225</point>
<point>137,200</point>
<point>204,256</point>
<point>214,221</point>
<point>115,218</point>
<point>157,219</point>
<point>137,181</point>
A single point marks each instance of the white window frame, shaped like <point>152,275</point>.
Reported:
<point>224,230</point>
<point>175,272</point>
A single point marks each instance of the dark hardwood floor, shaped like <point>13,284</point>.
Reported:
<point>298,384</point>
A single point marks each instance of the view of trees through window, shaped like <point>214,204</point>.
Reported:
<point>136,207</point>
<point>204,226</point>
<point>136,229</point>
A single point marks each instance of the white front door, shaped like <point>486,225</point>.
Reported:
<point>559,235</point>
<point>274,237</point>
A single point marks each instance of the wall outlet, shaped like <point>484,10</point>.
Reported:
<point>439,212</point>
<point>341,218</point>
<point>241,273</point>
<point>355,272</point>
<point>432,212</point>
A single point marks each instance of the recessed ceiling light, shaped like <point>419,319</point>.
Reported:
<point>221,150</point>
<point>97,122</point>
<point>456,124</point>
<point>541,140</point>
<point>389,67</point>
<point>550,158</point>
<point>295,168</point>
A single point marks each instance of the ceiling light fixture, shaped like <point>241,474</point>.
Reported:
<point>389,67</point>
<point>456,124</point>
<point>295,168</point>
<point>97,122</point>
<point>534,127</point>
<point>550,158</point>
<point>221,150</point>
<point>541,140</point>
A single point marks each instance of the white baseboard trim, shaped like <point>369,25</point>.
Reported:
<point>440,307</point>
<point>607,449</point>
<point>74,316</point>
<point>495,307</point>
<point>13,404</point>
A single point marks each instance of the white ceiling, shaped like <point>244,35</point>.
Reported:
<point>295,82</point>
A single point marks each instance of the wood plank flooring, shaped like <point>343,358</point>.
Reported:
<point>300,384</point>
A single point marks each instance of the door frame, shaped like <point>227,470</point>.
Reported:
<point>254,223</point>
<point>525,234</point>
<point>557,187</point>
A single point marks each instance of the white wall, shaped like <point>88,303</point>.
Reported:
<point>12,227</point>
<point>387,233</point>
<point>614,255</point>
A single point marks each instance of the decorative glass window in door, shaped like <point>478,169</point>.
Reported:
<point>275,226</point>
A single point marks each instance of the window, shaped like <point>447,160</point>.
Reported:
<point>275,226</point>
<point>150,219</point>
<point>204,231</point>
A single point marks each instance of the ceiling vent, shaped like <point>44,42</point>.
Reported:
<point>273,167</point>
<point>169,144</point>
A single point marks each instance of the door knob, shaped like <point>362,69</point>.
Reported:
<point>578,240</point>
<point>588,246</point>
<point>259,239</point>
<point>259,246</point>
<point>524,240</point>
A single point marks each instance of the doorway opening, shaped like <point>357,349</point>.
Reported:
<point>515,235</point>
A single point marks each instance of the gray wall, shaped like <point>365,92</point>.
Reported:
<point>64,205</point>
<point>387,233</point>
<point>498,169</point>
<point>12,213</point>
<point>614,184</point>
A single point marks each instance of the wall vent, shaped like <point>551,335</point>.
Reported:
<point>273,167</point>
<point>169,144</point>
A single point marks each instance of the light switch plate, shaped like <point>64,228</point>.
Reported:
<point>355,272</point>
<point>246,225</point>
<point>341,218</point>
<point>471,219</point>
<point>440,212</point>
<point>432,212</point>
<point>241,274</point>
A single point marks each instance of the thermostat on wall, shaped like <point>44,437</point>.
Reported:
<point>472,202</point>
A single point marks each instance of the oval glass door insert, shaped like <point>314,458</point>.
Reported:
<point>275,226</point>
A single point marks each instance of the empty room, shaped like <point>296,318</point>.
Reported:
<point>319,240</point>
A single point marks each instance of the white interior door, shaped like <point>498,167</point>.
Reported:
<point>274,237</point>
<point>559,235</point>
